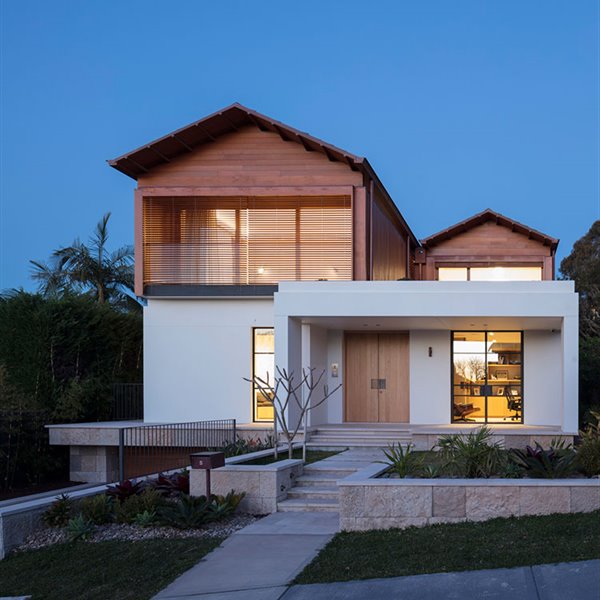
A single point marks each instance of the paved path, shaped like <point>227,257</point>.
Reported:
<point>565,581</point>
<point>257,562</point>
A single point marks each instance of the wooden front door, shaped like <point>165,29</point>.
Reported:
<point>376,377</point>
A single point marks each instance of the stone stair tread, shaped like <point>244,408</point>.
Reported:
<point>302,504</point>
<point>307,491</point>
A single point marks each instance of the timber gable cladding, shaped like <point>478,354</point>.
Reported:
<point>238,200</point>
<point>268,175</point>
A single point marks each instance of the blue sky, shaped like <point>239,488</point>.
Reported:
<point>458,105</point>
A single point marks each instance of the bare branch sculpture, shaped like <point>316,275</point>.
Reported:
<point>284,392</point>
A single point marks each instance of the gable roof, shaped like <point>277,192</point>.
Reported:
<point>227,120</point>
<point>483,217</point>
<point>206,130</point>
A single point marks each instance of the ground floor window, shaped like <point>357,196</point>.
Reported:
<point>263,365</point>
<point>487,376</point>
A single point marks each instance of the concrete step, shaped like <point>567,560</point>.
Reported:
<point>333,445</point>
<point>316,480</point>
<point>312,493</point>
<point>329,471</point>
<point>302,505</point>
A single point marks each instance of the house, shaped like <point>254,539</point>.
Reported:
<point>257,244</point>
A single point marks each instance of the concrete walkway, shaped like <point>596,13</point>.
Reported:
<point>259,561</point>
<point>565,581</point>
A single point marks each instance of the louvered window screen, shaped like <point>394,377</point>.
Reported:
<point>246,241</point>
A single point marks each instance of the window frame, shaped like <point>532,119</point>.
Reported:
<point>452,386</point>
<point>253,390</point>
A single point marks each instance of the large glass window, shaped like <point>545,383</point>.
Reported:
<point>263,366</point>
<point>505,273</point>
<point>487,376</point>
<point>246,241</point>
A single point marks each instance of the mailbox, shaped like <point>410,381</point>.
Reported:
<point>207,460</point>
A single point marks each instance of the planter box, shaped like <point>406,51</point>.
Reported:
<point>264,485</point>
<point>370,503</point>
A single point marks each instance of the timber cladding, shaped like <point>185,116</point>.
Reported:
<point>489,244</point>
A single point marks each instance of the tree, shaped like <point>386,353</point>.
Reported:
<point>283,393</point>
<point>89,269</point>
<point>583,267</point>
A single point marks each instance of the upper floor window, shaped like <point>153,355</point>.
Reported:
<point>246,241</point>
<point>505,273</point>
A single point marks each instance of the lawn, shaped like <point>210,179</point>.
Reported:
<point>97,571</point>
<point>311,457</point>
<point>499,543</point>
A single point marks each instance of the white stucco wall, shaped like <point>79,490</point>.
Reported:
<point>429,378</point>
<point>542,378</point>
<point>196,353</point>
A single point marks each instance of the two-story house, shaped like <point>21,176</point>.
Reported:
<point>259,245</point>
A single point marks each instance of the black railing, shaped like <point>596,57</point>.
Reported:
<point>148,449</point>
<point>127,402</point>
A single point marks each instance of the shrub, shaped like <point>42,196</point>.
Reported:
<point>98,509</point>
<point>557,462</point>
<point>402,461</point>
<point>145,519</point>
<point>243,446</point>
<point>79,528</point>
<point>471,455</point>
<point>148,501</point>
<point>171,486</point>
<point>59,512</point>
<point>124,490</point>
<point>193,512</point>
<point>588,451</point>
<point>187,512</point>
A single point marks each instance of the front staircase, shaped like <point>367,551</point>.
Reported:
<point>360,435</point>
<point>316,490</point>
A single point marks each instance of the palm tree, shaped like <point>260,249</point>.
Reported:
<point>89,269</point>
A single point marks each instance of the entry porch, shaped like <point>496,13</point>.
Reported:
<point>409,353</point>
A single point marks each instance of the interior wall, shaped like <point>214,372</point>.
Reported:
<point>429,377</point>
<point>196,354</point>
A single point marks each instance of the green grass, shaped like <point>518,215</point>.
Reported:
<point>97,571</point>
<point>311,457</point>
<point>499,543</point>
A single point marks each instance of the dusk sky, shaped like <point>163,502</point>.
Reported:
<point>459,106</point>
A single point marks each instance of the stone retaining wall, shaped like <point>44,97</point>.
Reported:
<point>264,485</point>
<point>369,503</point>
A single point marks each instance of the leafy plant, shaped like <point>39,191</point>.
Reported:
<point>186,512</point>
<point>401,460</point>
<point>230,501</point>
<point>173,485</point>
<point>59,512</point>
<point>243,446</point>
<point>430,471</point>
<point>471,455</point>
<point>195,511</point>
<point>98,509</point>
<point>556,462</point>
<point>124,490</point>
<point>79,528</point>
<point>148,501</point>
<point>145,519</point>
<point>588,451</point>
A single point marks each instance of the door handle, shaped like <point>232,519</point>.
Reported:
<point>378,384</point>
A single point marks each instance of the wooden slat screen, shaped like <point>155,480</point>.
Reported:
<point>246,241</point>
